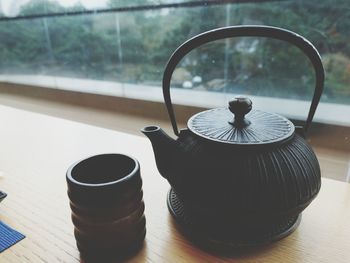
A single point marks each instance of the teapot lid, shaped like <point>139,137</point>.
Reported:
<point>246,127</point>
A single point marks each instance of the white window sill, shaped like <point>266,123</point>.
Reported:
<point>330,113</point>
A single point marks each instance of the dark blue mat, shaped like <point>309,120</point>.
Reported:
<point>8,237</point>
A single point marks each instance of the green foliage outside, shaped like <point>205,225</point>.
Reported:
<point>133,47</point>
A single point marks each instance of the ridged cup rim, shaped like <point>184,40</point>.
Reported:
<point>125,178</point>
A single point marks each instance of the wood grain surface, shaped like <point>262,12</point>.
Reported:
<point>35,152</point>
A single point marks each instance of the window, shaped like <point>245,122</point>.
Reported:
<point>121,48</point>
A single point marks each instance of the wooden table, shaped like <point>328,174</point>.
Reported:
<point>35,152</point>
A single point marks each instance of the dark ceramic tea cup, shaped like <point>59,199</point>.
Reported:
<point>106,200</point>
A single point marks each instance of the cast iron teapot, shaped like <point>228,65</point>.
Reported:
<point>238,175</point>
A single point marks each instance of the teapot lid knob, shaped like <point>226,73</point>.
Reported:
<point>240,106</point>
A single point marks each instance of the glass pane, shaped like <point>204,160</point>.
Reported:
<point>132,47</point>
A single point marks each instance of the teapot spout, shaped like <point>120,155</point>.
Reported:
<point>163,147</point>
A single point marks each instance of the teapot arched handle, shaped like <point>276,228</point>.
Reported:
<point>245,31</point>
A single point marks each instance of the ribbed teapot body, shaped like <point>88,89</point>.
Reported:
<point>245,182</point>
